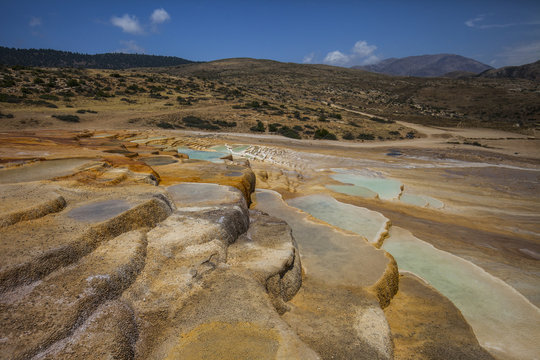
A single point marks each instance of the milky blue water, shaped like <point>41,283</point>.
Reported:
<point>362,221</point>
<point>502,319</point>
<point>387,189</point>
<point>213,156</point>
<point>353,190</point>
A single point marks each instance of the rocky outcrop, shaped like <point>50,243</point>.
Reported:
<point>137,271</point>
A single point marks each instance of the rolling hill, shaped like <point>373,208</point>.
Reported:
<point>426,65</point>
<point>527,71</point>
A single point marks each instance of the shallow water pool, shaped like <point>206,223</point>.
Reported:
<point>99,211</point>
<point>213,156</point>
<point>504,321</point>
<point>370,224</point>
<point>387,189</point>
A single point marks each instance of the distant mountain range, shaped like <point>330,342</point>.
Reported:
<point>55,58</point>
<point>426,65</point>
<point>528,71</point>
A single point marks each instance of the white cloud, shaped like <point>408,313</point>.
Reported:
<point>362,49</point>
<point>336,58</point>
<point>34,21</point>
<point>473,22</point>
<point>519,55</point>
<point>130,47</point>
<point>361,54</point>
<point>308,59</point>
<point>159,16</point>
<point>476,23</point>
<point>128,23</point>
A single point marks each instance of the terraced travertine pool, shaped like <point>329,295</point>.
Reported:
<point>328,255</point>
<point>42,170</point>
<point>504,321</point>
<point>369,224</point>
<point>387,189</point>
<point>213,156</point>
<point>99,211</point>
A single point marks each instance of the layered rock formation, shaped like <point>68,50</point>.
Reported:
<point>133,251</point>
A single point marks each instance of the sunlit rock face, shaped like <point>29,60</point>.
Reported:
<point>98,266</point>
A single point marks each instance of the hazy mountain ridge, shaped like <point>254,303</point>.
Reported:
<point>56,58</point>
<point>527,71</point>
<point>426,65</point>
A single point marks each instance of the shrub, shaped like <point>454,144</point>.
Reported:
<point>39,81</point>
<point>259,127</point>
<point>67,118</point>
<point>335,116</point>
<point>298,128</point>
<point>288,132</point>
<point>49,97</point>
<point>324,134</point>
<point>348,136</point>
<point>128,101</point>
<point>165,125</point>
<point>41,103</point>
<point>322,118</point>
<point>193,121</point>
<point>67,93</point>
<point>182,101</point>
<point>274,127</point>
<point>7,116</point>
<point>253,104</point>
<point>7,82</point>
<point>225,123</point>
<point>71,82</point>
<point>364,136</point>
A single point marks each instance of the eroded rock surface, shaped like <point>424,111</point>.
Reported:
<point>94,268</point>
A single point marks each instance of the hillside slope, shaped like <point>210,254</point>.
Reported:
<point>527,71</point>
<point>426,65</point>
<point>468,102</point>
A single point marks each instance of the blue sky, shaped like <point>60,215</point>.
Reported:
<point>335,32</point>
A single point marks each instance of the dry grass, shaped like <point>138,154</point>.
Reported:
<point>234,95</point>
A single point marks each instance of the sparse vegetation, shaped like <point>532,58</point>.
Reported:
<point>274,127</point>
<point>259,127</point>
<point>49,97</point>
<point>323,134</point>
<point>224,123</point>
<point>67,118</point>
<point>364,136</point>
<point>7,116</point>
<point>196,122</point>
<point>239,96</point>
<point>288,132</point>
